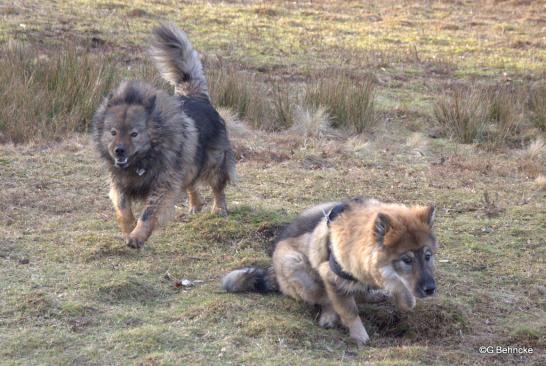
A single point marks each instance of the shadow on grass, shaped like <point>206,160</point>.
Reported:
<point>244,227</point>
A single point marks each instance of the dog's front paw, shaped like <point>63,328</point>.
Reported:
<point>405,301</point>
<point>194,210</point>
<point>134,243</point>
<point>221,211</point>
<point>358,334</point>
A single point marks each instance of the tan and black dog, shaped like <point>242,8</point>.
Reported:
<point>334,251</point>
<point>156,144</point>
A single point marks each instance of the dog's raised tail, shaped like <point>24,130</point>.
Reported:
<point>177,61</point>
<point>251,279</point>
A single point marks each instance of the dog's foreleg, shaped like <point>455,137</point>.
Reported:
<point>219,206</point>
<point>158,202</point>
<point>344,305</point>
<point>195,200</point>
<point>124,213</point>
<point>397,287</point>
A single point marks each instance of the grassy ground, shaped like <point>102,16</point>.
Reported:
<point>72,293</point>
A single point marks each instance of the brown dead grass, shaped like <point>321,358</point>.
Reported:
<point>311,123</point>
<point>462,114</point>
<point>46,96</point>
<point>506,114</point>
<point>533,158</point>
<point>540,182</point>
<point>537,104</point>
<point>491,115</point>
<point>350,103</point>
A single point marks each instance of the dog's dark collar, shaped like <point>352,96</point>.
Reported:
<point>334,264</point>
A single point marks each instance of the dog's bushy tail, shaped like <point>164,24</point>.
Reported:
<point>251,279</point>
<point>177,61</point>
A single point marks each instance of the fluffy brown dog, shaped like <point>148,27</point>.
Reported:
<point>334,251</point>
<point>156,144</point>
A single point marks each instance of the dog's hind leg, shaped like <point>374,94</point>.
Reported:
<point>124,213</point>
<point>218,178</point>
<point>218,182</point>
<point>295,275</point>
<point>194,198</point>
<point>158,203</point>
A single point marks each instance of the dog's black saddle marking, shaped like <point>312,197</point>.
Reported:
<point>335,211</point>
<point>334,265</point>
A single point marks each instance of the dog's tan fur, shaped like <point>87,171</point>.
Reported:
<point>368,240</point>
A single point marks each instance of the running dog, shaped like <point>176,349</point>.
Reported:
<point>156,144</point>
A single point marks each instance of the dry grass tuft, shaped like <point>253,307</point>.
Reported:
<point>505,114</point>
<point>269,109</point>
<point>241,92</point>
<point>536,150</point>
<point>48,96</point>
<point>491,115</point>
<point>282,109</point>
<point>540,182</point>
<point>311,123</point>
<point>462,114</point>
<point>351,103</point>
<point>537,105</point>
<point>533,159</point>
<point>236,128</point>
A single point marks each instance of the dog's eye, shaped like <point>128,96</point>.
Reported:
<point>134,134</point>
<point>407,260</point>
<point>113,132</point>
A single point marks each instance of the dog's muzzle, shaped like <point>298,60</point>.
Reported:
<point>427,288</point>
<point>121,162</point>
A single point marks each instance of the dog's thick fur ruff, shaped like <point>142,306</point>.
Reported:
<point>335,251</point>
<point>156,144</point>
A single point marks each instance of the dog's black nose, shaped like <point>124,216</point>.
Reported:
<point>429,289</point>
<point>120,151</point>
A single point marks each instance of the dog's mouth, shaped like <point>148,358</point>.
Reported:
<point>121,162</point>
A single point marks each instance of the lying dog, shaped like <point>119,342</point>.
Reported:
<point>156,144</point>
<point>334,251</point>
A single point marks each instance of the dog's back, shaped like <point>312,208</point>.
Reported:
<point>212,133</point>
<point>180,65</point>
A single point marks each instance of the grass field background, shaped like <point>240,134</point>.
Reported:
<point>72,293</point>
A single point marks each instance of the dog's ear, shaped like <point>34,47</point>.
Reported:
<point>427,214</point>
<point>382,226</point>
<point>149,103</point>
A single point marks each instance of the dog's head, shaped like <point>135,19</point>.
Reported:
<point>407,247</point>
<point>121,123</point>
